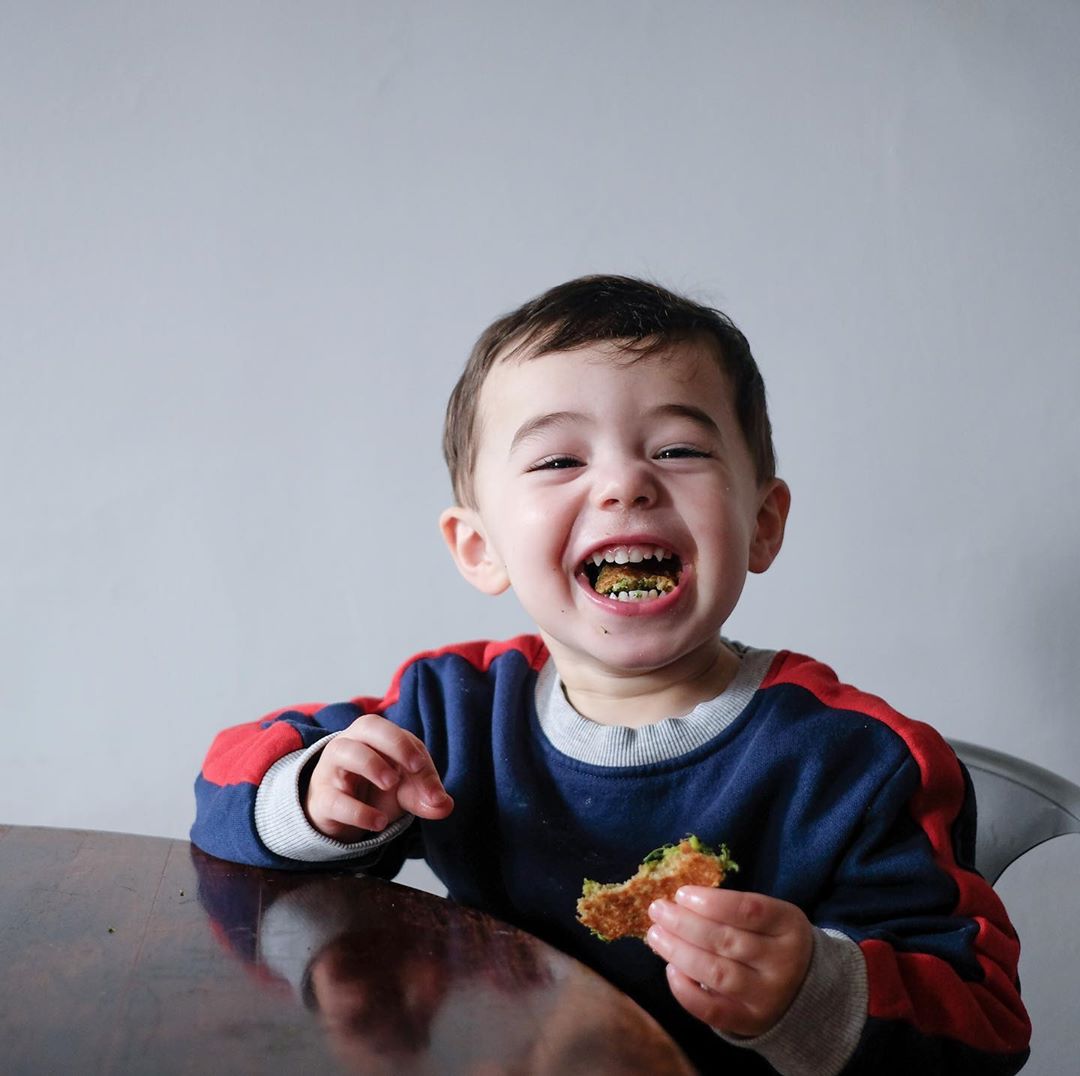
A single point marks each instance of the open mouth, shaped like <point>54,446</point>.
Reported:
<point>633,573</point>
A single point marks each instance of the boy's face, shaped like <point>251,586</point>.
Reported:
<point>582,455</point>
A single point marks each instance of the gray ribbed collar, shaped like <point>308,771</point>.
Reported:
<point>617,745</point>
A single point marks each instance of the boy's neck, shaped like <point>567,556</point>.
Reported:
<point>644,698</point>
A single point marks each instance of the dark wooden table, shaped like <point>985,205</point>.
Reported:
<point>125,954</point>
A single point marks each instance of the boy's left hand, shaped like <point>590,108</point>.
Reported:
<point>735,960</point>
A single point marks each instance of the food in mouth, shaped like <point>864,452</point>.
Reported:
<point>633,573</point>
<point>621,909</point>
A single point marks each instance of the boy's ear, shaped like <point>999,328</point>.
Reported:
<point>769,529</point>
<point>473,554</point>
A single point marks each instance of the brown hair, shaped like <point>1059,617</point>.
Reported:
<point>642,318</point>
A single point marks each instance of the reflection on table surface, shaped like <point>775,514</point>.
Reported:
<point>141,954</point>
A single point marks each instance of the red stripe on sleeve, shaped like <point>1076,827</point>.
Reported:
<point>918,988</point>
<point>926,992</point>
<point>244,753</point>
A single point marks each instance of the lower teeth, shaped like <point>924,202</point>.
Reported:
<point>636,595</point>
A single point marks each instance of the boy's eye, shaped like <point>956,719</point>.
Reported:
<point>555,463</point>
<point>682,452</point>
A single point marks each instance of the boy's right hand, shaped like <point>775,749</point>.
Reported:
<point>369,776</point>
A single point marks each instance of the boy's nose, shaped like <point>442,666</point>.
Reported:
<point>629,487</point>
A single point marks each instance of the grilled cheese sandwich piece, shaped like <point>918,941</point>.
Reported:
<point>621,909</point>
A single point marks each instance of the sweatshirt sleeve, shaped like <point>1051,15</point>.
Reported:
<point>941,955</point>
<point>821,1029</point>
<point>226,791</point>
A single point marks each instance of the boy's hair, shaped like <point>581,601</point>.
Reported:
<point>641,318</point>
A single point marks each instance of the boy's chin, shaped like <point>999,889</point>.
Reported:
<point>620,654</point>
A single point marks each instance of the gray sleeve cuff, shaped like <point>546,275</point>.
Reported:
<point>820,1030</point>
<point>284,828</point>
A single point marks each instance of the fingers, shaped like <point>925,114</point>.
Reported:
<point>718,938</point>
<point>735,959</point>
<point>370,775</point>
<point>704,965</point>
<point>338,814</point>
<point>402,749</point>
<point>390,757</point>
<point>745,911</point>
<point>348,759</point>
<point>717,1010</point>
<point>734,997</point>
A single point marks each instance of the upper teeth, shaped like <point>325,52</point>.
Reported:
<point>629,554</point>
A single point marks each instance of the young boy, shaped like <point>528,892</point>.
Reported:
<point>612,462</point>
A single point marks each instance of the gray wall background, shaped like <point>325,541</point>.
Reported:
<point>245,248</point>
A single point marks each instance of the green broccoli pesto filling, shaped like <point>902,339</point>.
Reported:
<point>658,855</point>
<point>652,861</point>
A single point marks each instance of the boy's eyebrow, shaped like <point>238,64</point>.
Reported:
<point>534,426</point>
<point>695,414</point>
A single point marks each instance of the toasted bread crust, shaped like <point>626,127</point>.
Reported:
<point>621,909</point>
